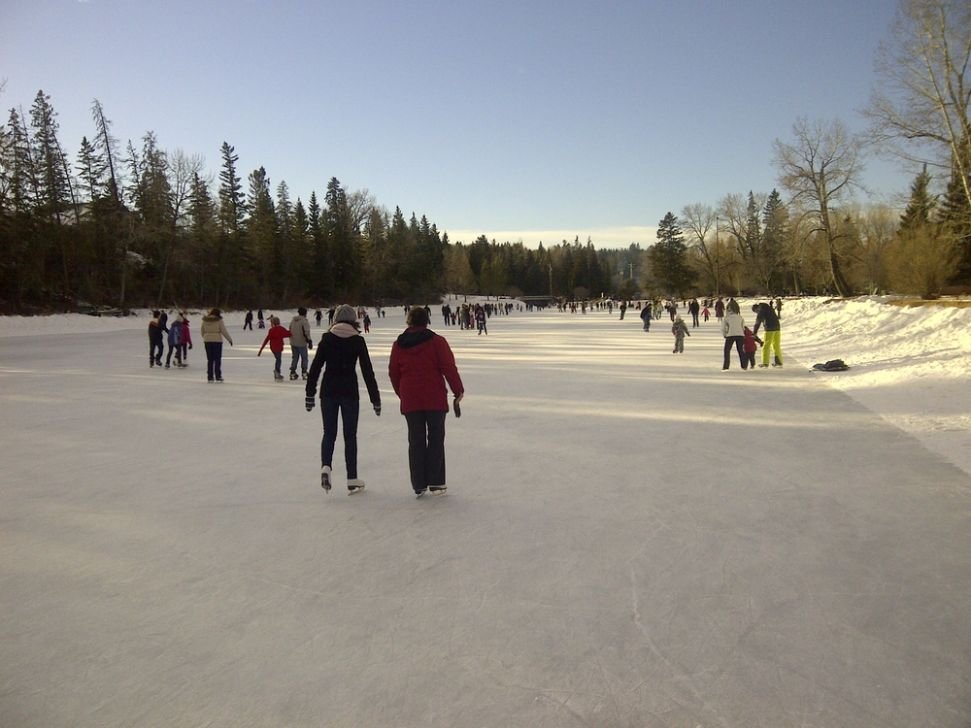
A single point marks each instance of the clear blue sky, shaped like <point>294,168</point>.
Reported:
<point>517,120</point>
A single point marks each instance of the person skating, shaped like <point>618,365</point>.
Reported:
<point>300,342</point>
<point>155,345</point>
<point>175,344</point>
<point>339,352</point>
<point>695,309</point>
<point>274,337</point>
<point>646,316</point>
<point>680,329</point>
<point>733,329</point>
<point>213,331</point>
<point>421,364</point>
<point>248,321</point>
<point>186,339</point>
<point>750,346</point>
<point>766,315</point>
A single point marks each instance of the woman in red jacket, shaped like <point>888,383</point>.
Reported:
<point>421,363</point>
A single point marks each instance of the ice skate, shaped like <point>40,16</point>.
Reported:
<point>325,478</point>
<point>438,490</point>
<point>277,376</point>
<point>420,493</point>
<point>293,375</point>
<point>354,485</point>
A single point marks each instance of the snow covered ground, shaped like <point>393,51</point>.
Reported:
<point>632,537</point>
<point>909,364</point>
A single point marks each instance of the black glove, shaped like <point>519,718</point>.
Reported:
<point>377,409</point>
<point>309,403</point>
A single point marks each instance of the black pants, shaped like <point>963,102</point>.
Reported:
<point>426,448</point>
<point>349,411</point>
<point>214,360</point>
<point>739,342</point>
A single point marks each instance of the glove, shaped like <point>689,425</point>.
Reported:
<point>190,347</point>
<point>377,410</point>
<point>309,403</point>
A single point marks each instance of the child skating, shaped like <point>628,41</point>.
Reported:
<point>680,330</point>
<point>275,336</point>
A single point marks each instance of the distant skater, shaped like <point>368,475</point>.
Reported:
<point>646,316</point>
<point>680,329</point>
<point>155,345</point>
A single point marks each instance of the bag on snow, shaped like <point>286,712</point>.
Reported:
<point>833,365</point>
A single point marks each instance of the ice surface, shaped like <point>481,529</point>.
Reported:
<point>632,537</point>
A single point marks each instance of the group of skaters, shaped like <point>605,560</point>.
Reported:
<point>728,315</point>
<point>421,365</point>
<point>179,337</point>
<point>467,317</point>
<point>176,334</point>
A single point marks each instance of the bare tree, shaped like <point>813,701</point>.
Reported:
<point>701,235</point>
<point>820,168</point>
<point>923,111</point>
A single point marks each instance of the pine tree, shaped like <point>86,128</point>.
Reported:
<point>203,237</point>
<point>105,144</point>
<point>955,214</point>
<point>341,241</point>
<point>920,206</point>
<point>52,184</point>
<point>321,280</point>
<point>261,238</point>
<point>775,233</point>
<point>669,257</point>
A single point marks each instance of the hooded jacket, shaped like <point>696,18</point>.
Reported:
<point>338,353</point>
<point>421,363</point>
<point>299,331</point>
<point>214,329</point>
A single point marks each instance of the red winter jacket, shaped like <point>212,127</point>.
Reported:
<point>275,336</point>
<point>421,363</point>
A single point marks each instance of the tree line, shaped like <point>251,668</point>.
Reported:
<point>140,225</point>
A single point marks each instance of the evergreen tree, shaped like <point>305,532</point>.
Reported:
<point>775,234</point>
<point>920,206</point>
<point>105,144</point>
<point>231,205</point>
<point>203,237</point>
<point>341,241</point>
<point>321,281</point>
<point>668,257</point>
<point>955,215</point>
<point>231,254</point>
<point>261,238</point>
<point>52,184</point>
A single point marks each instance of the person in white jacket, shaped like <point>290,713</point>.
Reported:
<point>733,329</point>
